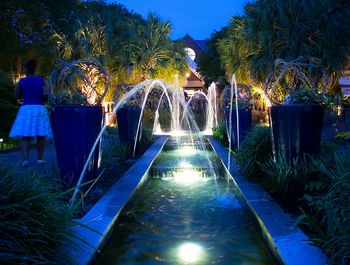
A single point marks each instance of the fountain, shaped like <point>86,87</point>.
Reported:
<point>157,129</point>
<point>212,119</point>
<point>213,224</point>
<point>180,124</point>
<point>185,215</point>
<point>178,97</point>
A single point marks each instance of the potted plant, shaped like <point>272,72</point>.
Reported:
<point>77,114</point>
<point>297,92</point>
<point>244,113</point>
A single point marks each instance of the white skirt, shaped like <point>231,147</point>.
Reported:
<point>31,121</point>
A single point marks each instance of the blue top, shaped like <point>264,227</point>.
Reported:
<point>32,90</point>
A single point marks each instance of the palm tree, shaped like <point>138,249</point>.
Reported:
<point>235,51</point>
<point>288,29</point>
<point>210,66</point>
<point>151,46</point>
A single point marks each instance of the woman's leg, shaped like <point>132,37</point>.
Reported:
<point>25,147</point>
<point>40,144</point>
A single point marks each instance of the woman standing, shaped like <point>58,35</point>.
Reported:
<point>32,119</point>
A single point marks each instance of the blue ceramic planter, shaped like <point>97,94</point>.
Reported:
<point>245,124</point>
<point>128,118</point>
<point>296,130</point>
<point>75,130</point>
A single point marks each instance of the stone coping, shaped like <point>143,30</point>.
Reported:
<point>98,222</point>
<point>288,243</point>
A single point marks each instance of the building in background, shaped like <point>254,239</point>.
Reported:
<point>194,48</point>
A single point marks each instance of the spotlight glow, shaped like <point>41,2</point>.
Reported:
<point>190,253</point>
<point>184,164</point>
<point>187,177</point>
<point>187,150</point>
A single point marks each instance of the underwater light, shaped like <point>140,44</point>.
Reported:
<point>184,164</point>
<point>187,150</point>
<point>190,253</point>
<point>187,177</point>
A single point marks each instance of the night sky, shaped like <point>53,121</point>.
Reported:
<point>199,18</point>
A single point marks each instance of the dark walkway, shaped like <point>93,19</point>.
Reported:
<point>14,159</point>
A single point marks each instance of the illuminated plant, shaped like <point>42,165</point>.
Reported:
<point>301,80</point>
<point>244,96</point>
<point>84,81</point>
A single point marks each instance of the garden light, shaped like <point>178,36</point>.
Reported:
<point>187,177</point>
<point>190,253</point>
<point>187,150</point>
<point>184,165</point>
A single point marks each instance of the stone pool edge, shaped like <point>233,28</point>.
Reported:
<point>98,222</point>
<point>286,241</point>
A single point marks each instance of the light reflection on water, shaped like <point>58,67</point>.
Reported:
<point>185,216</point>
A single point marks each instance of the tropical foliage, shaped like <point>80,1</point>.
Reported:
<point>153,48</point>
<point>25,28</point>
<point>288,180</point>
<point>8,109</point>
<point>328,208</point>
<point>35,220</point>
<point>255,150</point>
<point>133,49</point>
<point>209,65</point>
<point>271,30</point>
<point>220,133</point>
<point>130,47</point>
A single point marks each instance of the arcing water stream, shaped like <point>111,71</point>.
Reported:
<point>180,124</point>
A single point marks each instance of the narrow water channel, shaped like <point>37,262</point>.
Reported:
<point>187,212</point>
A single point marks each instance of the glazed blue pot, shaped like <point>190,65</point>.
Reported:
<point>127,119</point>
<point>296,130</point>
<point>75,129</point>
<point>245,124</point>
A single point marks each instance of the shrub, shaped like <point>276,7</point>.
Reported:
<point>67,98</point>
<point>117,150</point>
<point>220,133</point>
<point>255,149</point>
<point>146,140</point>
<point>289,180</point>
<point>8,110</point>
<point>34,220</point>
<point>330,208</point>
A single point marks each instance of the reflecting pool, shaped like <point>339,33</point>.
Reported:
<point>187,212</point>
